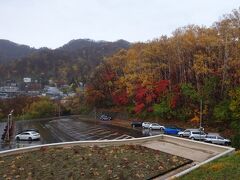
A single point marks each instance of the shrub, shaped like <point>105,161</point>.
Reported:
<point>221,111</point>
<point>40,109</point>
<point>162,110</point>
<point>236,138</point>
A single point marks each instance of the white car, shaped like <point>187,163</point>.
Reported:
<point>146,124</point>
<point>28,135</point>
<point>216,139</point>
<point>156,126</point>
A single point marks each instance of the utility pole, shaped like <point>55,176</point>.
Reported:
<point>201,113</point>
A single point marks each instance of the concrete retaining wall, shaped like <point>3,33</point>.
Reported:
<point>83,143</point>
<point>161,137</point>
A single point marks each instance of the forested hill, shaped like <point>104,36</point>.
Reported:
<point>77,44</point>
<point>10,51</point>
<point>74,60</point>
<point>170,77</point>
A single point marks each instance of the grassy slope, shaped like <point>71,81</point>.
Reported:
<point>223,168</point>
<point>123,162</point>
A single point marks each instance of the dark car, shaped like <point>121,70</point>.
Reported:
<point>104,117</point>
<point>136,123</point>
<point>172,130</point>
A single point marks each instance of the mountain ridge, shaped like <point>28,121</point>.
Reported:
<point>11,51</point>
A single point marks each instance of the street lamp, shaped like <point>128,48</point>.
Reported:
<point>9,123</point>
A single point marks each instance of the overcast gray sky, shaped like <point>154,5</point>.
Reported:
<point>52,23</point>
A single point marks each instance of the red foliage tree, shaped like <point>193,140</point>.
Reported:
<point>161,86</point>
<point>140,93</point>
<point>120,98</point>
<point>139,107</point>
<point>108,76</point>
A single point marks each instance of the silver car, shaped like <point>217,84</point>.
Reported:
<point>154,126</point>
<point>197,135</point>
<point>216,139</point>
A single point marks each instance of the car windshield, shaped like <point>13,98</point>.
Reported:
<point>33,132</point>
<point>25,133</point>
<point>173,127</point>
<point>219,137</point>
<point>195,132</point>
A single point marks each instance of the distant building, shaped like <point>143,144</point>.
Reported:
<point>52,92</point>
<point>9,91</point>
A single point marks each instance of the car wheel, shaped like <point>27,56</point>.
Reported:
<point>30,139</point>
<point>181,135</point>
<point>18,139</point>
<point>192,138</point>
<point>226,143</point>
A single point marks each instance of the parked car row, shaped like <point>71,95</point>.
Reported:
<point>147,125</point>
<point>171,130</point>
<point>194,134</point>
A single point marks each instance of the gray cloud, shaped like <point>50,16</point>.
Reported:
<point>52,23</point>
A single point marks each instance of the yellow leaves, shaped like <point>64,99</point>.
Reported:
<point>195,119</point>
<point>4,176</point>
<point>175,159</point>
<point>218,166</point>
<point>109,172</point>
<point>237,153</point>
<point>21,169</point>
<point>17,176</point>
<point>19,157</point>
<point>200,64</point>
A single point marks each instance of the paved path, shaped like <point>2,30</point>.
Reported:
<point>196,153</point>
<point>183,150</point>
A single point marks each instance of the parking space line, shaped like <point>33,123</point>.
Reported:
<point>121,137</point>
<point>104,138</point>
<point>124,136</point>
<point>89,130</point>
<point>104,132</point>
<point>94,133</point>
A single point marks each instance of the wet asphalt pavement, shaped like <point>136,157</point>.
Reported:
<point>70,129</point>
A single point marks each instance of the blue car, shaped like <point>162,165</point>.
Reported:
<point>172,130</point>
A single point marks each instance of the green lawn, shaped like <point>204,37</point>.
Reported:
<point>222,169</point>
<point>116,162</point>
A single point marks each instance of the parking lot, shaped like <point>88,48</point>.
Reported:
<point>69,129</point>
